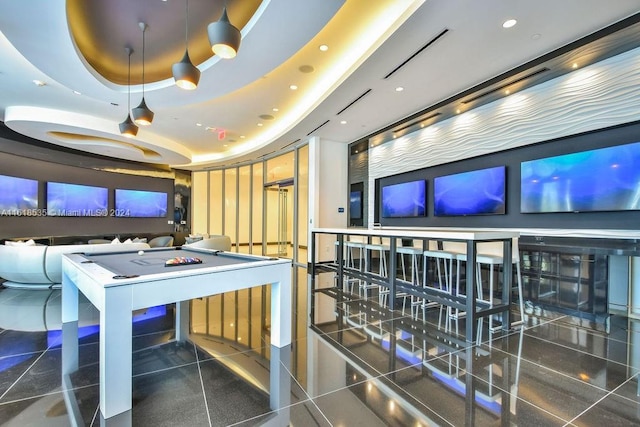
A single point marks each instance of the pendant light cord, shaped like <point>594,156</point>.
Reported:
<point>186,27</point>
<point>144,30</point>
<point>129,50</point>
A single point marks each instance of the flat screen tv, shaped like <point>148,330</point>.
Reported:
<point>18,195</point>
<point>605,179</point>
<point>140,204</point>
<point>355,205</point>
<point>64,199</point>
<point>478,192</point>
<point>406,199</point>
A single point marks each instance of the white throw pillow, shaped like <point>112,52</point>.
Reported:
<point>128,241</point>
<point>29,242</point>
<point>115,241</point>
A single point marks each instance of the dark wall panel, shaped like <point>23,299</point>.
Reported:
<point>627,220</point>
<point>43,226</point>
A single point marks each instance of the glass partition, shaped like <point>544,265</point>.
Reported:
<point>244,209</point>
<point>215,202</point>
<point>230,206</point>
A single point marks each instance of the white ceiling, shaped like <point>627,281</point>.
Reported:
<point>367,40</point>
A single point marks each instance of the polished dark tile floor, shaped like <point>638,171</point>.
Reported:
<point>365,366</point>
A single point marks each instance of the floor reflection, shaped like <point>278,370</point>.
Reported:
<point>362,365</point>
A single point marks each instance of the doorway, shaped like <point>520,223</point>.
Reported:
<point>278,230</point>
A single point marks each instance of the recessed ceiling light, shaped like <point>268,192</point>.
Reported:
<point>275,110</point>
<point>458,111</point>
<point>536,36</point>
<point>356,151</point>
<point>399,89</point>
<point>39,83</point>
<point>77,93</point>
<point>509,23</point>
<point>343,122</point>
<point>225,145</point>
<point>259,124</point>
<point>242,137</point>
<point>324,47</point>
<point>575,65</point>
<point>293,87</point>
<point>198,124</point>
<point>507,92</point>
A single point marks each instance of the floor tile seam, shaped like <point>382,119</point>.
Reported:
<point>167,369</point>
<point>580,351</point>
<point>560,373</point>
<point>596,333</point>
<point>434,411</point>
<point>95,414</point>
<point>23,374</point>
<point>354,359</point>
<point>239,352</point>
<point>545,321</point>
<point>29,353</point>
<point>594,404</point>
<point>613,392</point>
<point>275,411</point>
<point>355,328</point>
<point>51,393</point>
<point>373,378</point>
<point>309,398</point>
<point>590,331</point>
<point>465,371</point>
<point>383,376</point>
<point>164,331</point>
<point>204,393</point>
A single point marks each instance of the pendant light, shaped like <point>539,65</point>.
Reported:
<point>224,37</point>
<point>184,72</point>
<point>128,128</point>
<point>142,115</point>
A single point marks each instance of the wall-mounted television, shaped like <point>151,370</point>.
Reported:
<point>18,195</point>
<point>140,204</point>
<point>605,179</point>
<point>477,192</point>
<point>406,199</point>
<point>64,199</point>
<point>355,205</point>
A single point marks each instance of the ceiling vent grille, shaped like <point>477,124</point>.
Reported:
<point>429,43</point>
<point>318,128</point>
<point>366,92</point>
<point>291,143</point>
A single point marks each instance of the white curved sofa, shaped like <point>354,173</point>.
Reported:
<point>41,265</point>
<point>220,243</point>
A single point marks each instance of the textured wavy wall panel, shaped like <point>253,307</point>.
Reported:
<point>601,95</point>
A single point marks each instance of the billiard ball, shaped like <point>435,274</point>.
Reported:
<point>140,252</point>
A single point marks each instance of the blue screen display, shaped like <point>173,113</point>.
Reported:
<point>606,179</point>
<point>403,200</point>
<point>479,192</point>
<point>18,195</point>
<point>65,199</point>
<point>140,204</point>
<point>355,205</point>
